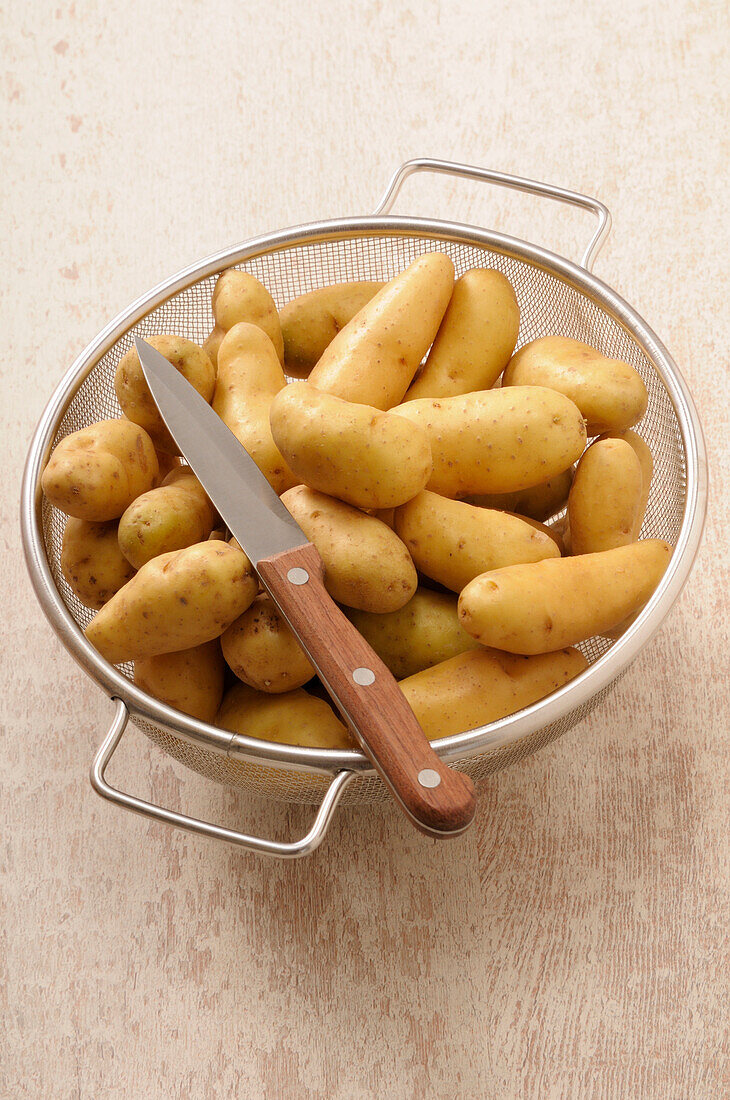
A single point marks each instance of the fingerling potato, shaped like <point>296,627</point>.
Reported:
<point>92,562</point>
<point>261,650</point>
<point>238,297</point>
<point>134,395</point>
<point>605,498</point>
<point>293,718</point>
<point>539,502</point>
<point>475,340</point>
<point>176,601</point>
<point>96,473</point>
<point>176,514</point>
<point>310,322</point>
<point>190,680</point>
<point>358,454</point>
<point>550,604</point>
<point>366,564</point>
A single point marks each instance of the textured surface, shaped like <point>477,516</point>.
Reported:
<point>575,942</point>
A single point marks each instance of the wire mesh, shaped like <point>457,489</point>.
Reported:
<point>548,305</point>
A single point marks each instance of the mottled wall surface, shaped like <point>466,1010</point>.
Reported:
<point>574,942</point>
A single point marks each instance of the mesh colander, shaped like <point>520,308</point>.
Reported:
<point>555,297</point>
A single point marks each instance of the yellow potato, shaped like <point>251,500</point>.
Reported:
<point>238,297</point>
<point>358,454</point>
<point>423,633</point>
<point>262,651</point>
<point>133,392</point>
<point>453,542</point>
<point>497,441</point>
<point>92,562</point>
<point>176,601</point>
<point>646,461</point>
<point>605,498</point>
<point>476,339</point>
<point>294,718</point>
<point>551,532</point>
<point>538,502</point>
<point>97,472</point>
<point>610,394</point>
<point>249,377</point>
<point>166,463</point>
<point>550,604</point>
<point>366,564</point>
<point>484,685</point>
<point>373,359</point>
<point>190,680</point>
<point>212,344</point>
<point>170,517</point>
<point>310,322</point>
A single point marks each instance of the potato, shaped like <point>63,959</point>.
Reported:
<point>92,562</point>
<point>550,604</point>
<point>453,542</point>
<point>551,532</point>
<point>310,322</point>
<point>176,514</point>
<point>610,394</point>
<point>423,633</point>
<point>538,502</point>
<point>373,359</point>
<point>646,461</point>
<point>238,297</point>
<point>190,680</point>
<point>294,718</point>
<point>166,464</point>
<point>212,344</point>
<point>605,498</point>
<point>484,685</point>
<point>477,336</point>
<point>176,601</point>
<point>95,473</point>
<point>498,441</point>
<point>249,377</point>
<point>262,651</point>
<point>358,454</point>
<point>366,564</point>
<point>134,395</point>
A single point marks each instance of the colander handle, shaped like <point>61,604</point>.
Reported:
<point>293,850</point>
<point>502,179</point>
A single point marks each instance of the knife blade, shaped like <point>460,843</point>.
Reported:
<point>438,800</point>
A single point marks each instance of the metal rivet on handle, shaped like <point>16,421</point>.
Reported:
<point>429,778</point>
<point>297,576</point>
<point>363,676</point>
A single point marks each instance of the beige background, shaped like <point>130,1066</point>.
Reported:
<point>574,943</point>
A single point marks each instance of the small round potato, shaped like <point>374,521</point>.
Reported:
<point>423,633</point>
<point>249,377</point>
<point>190,680</point>
<point>134,395</point>
<point>538,502</point>
<point>609,393</point>
<point>605,498</point>
<point>238,297</point>
<point>353,452</point>
<point>484,685</point>
<point>366,564</point>
<point>92,562</point>
<point>476,339</point>
<point>310,322</point>
<point>373,359</point>
<point>550,604</point>
<point>96,473</point>
<point>175,515</point>
<point>293,718</point>
<point>261,650</point>
<point>176,601</point>
<point>498,441</point>
<point>452,542</point>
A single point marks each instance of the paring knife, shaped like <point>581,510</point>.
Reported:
<point>438,800</point>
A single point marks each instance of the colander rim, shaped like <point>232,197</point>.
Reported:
<point>458,746</point>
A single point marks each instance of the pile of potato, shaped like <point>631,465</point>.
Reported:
<point>423,480</point>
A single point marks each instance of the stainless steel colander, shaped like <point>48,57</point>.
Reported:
<point>555,296</point>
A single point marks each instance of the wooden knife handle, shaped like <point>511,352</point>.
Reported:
<point>439,801</point>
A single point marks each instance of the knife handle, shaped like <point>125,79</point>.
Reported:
<point>440,801</point>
